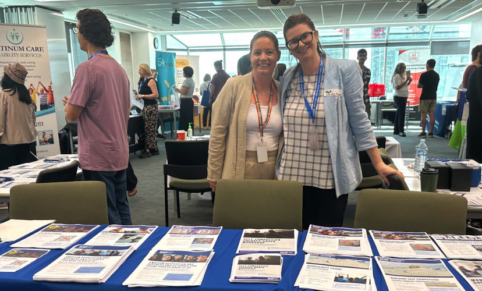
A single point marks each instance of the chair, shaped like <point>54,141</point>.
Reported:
<point>397,182</point>
<point>393,210</point>
<point>72,202</point>
<point>61,174</point>
<point>258,204</point>
<point>187,166</point>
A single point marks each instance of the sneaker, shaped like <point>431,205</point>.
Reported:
<point>402,134</point>
<point>430,135</point>
<point>396,133</point>
<point>145,154</point>
<point>423,134</point>
<point>154,152</point>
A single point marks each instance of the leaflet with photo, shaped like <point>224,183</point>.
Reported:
<point>417,274</point>
<point>405,244</point>
<point>20,173</point>
<point>282,241</point>
<point>56,236</point>
<point>85,264</point>
<point>123,235</point>
<point>337,240</point>
<point>460,246</point>
<point>471,271</point>
<point>170,268</point>
<point>334,272</point>
<point>257,268</point>
<point>16,259</point>
<point>13,229</point>
<point>190,238</point>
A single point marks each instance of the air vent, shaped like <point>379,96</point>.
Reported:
<point>463,11</point>
<point>280,15</point>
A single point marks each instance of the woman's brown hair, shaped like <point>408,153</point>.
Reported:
<point>300,18</point>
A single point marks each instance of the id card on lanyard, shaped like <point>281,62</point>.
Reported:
<point>261,147</point>
<point>313,133</point>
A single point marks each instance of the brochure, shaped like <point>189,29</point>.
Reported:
<point>170,268</point>
<point>257,268</point>
<point>85,264</point>
<point>16,259</point>
<point>11,184</point>
<point>190,238</point>
<point>282,241</point>
<point>471,271</point>
<point>417,274</point>
<point>13,229</point>
<point>405,244</point>
<point>123,235</point>
<point>460,246</point>
<point>337,240</point>
<point>56,236</point>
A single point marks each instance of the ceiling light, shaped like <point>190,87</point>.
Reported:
<point>132,25</point>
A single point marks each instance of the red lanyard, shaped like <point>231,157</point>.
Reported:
<point>262,125</point>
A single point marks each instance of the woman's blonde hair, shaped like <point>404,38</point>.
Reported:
<point>146,68</point>
<point>398,71</point>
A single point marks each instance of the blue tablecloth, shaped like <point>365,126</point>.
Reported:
<point>216,278</point>
<point>443,121</point>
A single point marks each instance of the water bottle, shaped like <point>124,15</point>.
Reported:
<point>421,152</point>
<point>189,131</point>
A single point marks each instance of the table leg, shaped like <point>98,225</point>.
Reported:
<point>175,122</point>
<point>199,115</point>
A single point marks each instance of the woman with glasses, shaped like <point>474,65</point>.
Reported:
<point>246,124</point>
<point>400,84</point>
<point>324,126</point>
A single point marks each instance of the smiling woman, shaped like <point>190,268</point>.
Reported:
<point>246,125</point>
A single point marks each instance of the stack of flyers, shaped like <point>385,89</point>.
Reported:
<point>282,241</point>
<point>56,159</point>
<point>16,259</point>
<point>460,246</point>
<point>471,271</point>
<point>192,238</point>
<point>14,229</point>
<point>257,268</point>
<point>334,272</point>
<point>123,235</point>
<point>337,240</point>
<point>405,244</point>
<point>85,264</point>
<point>417,274</point>
<point>56,236</point>
<point>170,268</point>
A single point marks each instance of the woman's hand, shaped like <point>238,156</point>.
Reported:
<point>384,171</point>
<point>177,90</point>
<point>65,100</point>
<point>139,96</point>
<point>212,185</point>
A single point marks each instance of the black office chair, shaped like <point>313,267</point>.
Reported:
<point>61,174</point>
<point>187,166</point>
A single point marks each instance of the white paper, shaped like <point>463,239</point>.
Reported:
<point>16,259</point>
<point>257,268</point>
<point>471,271</point>
<point>123,235</point>
<point>14,229</point>
<point>193,238</point>
<point>139,103</point>
<point>460,246</point>
<point>283,241</point>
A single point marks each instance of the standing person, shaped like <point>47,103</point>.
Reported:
<point>428,100</point>
<point>187,104</point>
<point>148,92</point>
<point>279,72</point>
<point>244,65</point>
<point>99,99</point>
<point>50,94</point>
<point>17,117</point>
<point>205,90</point>
<point>366,75</point>
<point>400,83</point>
<point>218,81</point>
<point>247,119</point>
<point>474,128</point>
<point>324,125</point>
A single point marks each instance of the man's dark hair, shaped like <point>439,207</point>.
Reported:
<point>475,51</point>
<point>218,64</point>
<point>95,27</point>
<point>188,71</point>
<point>9,85</point>
<point>362,51</point>
<point>431,63</point>
<point>244,65</point>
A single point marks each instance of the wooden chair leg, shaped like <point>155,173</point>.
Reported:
<point>178,206</point>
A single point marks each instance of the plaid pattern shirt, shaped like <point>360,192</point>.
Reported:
<point>299,162</point>
<point>366,75</point>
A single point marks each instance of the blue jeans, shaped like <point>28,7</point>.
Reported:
<point>115,184</point>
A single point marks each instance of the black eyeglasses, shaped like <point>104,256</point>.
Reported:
<point>74,28</point>
<point>305,38</point>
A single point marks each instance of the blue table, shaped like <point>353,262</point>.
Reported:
<point>444,119</point>
<point>216,278</point>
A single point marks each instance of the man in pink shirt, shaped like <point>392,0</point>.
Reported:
<point>99,99</point>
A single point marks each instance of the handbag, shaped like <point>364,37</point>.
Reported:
<point>205,97</point>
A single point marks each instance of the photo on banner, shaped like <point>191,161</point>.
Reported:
<point>27,45</point>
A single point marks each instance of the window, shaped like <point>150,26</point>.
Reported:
<point>409,32</point>
<point>173,43</point>
<point>200,40</point>
<point>366,34</point>
<point>336,53</point>
<point>330,36</point>
<point>375,61</point>
<point>452,31</point>
<point>450,69</point>
<point>238,39</point>
<point>206,62</point>
<point>232,58</point>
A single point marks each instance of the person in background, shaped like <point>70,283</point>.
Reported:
<point>33,92</point>
<point>187,104</point>
<point>247,119</point>
<point>154,74</point>
<point>43,98</point>
<point>366,75</point>
<point>279,72</point>
<point>428,100</point>
<point>17,117</point>
<point>206,110</point>
<point>244,65</point>
<point>50,94</point>
<point>218,81</point>
<point>400,83</point>
<point>325,125</point>
<point>474,122</point>
<point>100,102</point>
<point>51,139</point>
<point>131,181</point>
<point>147,91</point>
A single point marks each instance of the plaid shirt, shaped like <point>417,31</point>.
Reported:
<point>366,75</point>
<point>299,163</point>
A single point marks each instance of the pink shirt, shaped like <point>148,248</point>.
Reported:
<point>101,87</point>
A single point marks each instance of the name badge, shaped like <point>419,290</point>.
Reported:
<point>333,92</point>
<point>262,151</point>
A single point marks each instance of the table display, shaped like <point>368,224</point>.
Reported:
<point>393,147</point>
<point>445,113</point>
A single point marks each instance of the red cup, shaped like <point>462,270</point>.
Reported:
<point>181,135</point>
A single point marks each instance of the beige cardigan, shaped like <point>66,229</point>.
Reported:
<point>17,120</point>
<point>227,146</point>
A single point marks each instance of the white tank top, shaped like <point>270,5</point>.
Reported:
<point>271,132</point>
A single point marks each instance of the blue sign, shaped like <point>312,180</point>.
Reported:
<point>166,78</point>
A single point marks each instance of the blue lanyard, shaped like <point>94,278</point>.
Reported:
<point>311,111</point>
<point>98,52</point>
<point>145,79</point>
